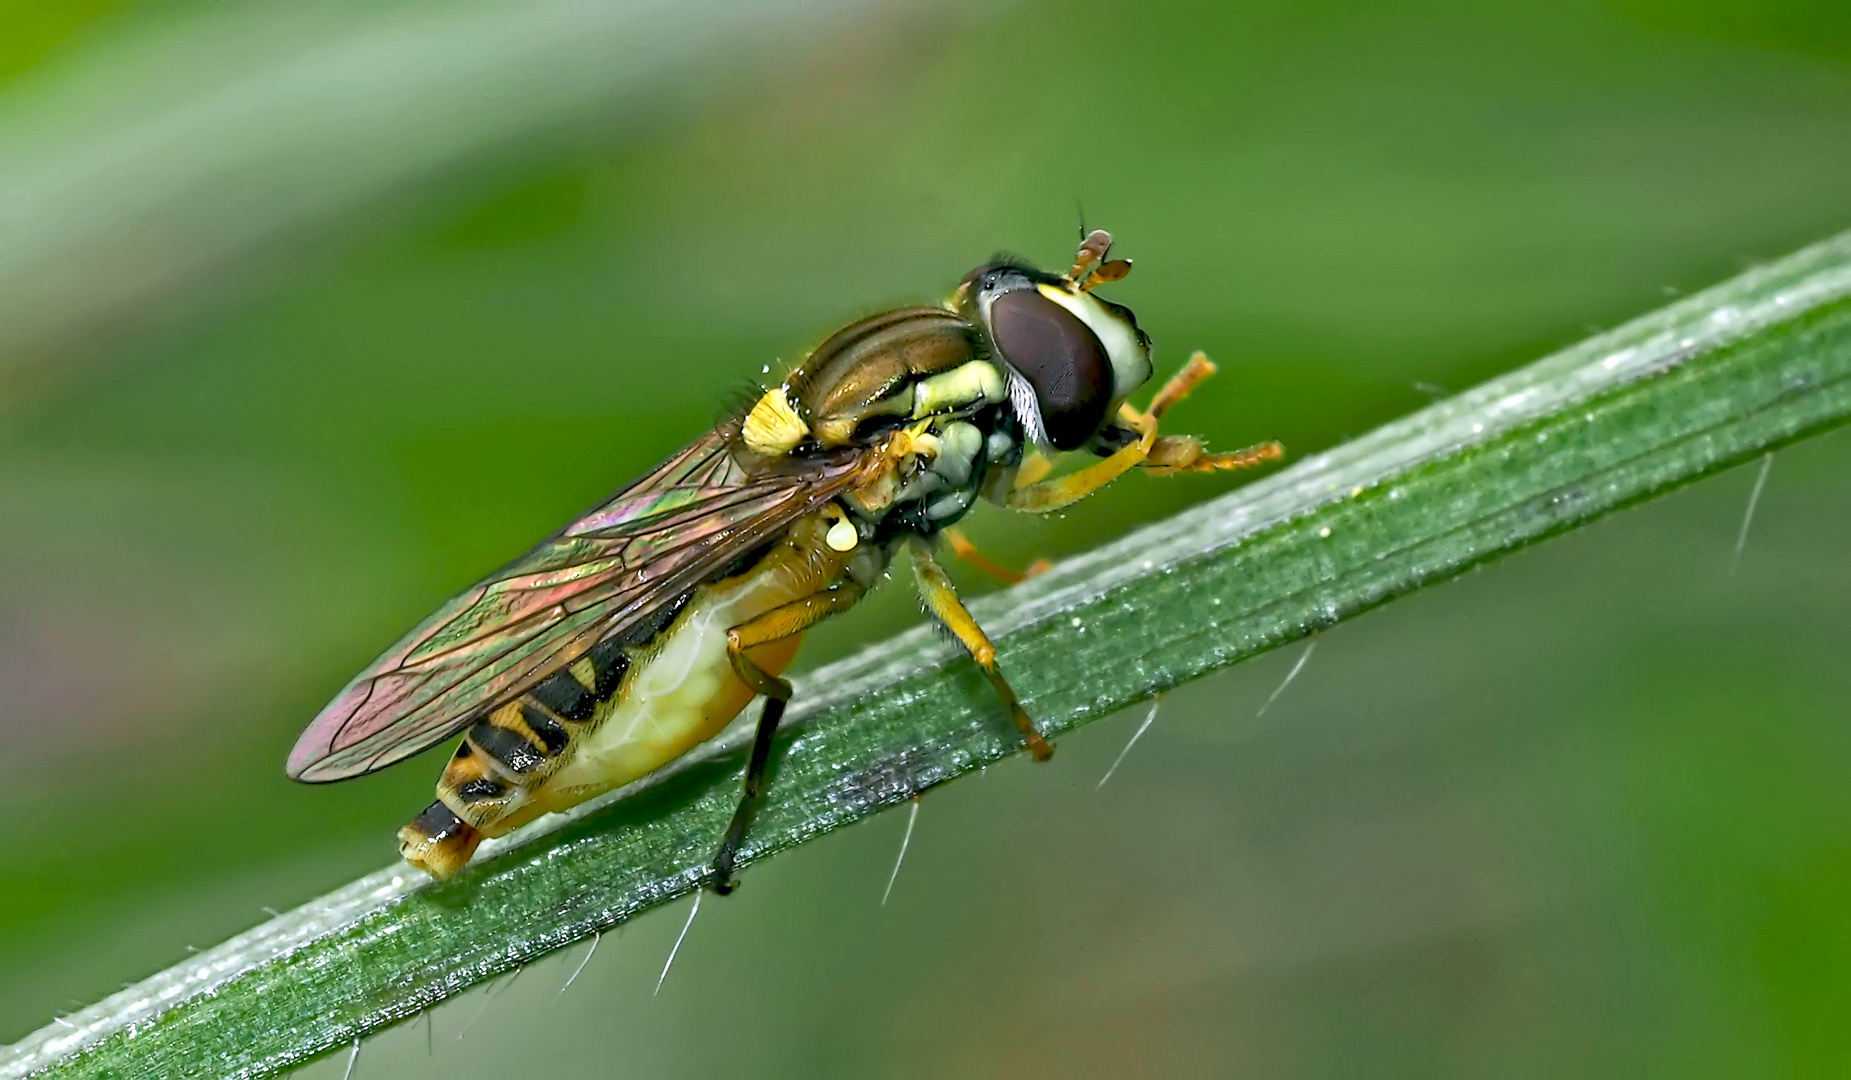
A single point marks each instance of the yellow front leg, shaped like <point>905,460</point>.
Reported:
<point>1162,456</point>
<point>1174,454</point>
<point>1184,453</point>
<point>1043,496</point>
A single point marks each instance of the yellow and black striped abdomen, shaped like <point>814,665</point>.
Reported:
<point>510,751</point>
<point>629,706</point>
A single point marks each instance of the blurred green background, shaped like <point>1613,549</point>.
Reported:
<point>311,314</point>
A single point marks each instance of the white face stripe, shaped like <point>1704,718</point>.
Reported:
<point>1027,409</point>
<point>1131,365</point>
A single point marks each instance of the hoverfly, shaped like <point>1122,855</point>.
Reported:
<point>643,628</point>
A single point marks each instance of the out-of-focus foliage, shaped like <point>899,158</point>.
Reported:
<point>1582,813</point>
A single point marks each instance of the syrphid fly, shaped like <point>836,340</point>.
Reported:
<point>643,628</point>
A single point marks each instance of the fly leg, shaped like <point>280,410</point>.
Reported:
<point>1172,454</point>
<point>1184,453</point>
<point>1042,496</point>
<point>941,599</point>
<point>774,625</point>
<point>964,549</point>
<point>1161,455</point>
<point>1183,383</point>
<point>1035,467</point>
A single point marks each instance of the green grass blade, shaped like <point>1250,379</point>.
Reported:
<point>1706,383</point>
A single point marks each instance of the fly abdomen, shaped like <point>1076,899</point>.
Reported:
<point>527,736</point>
<point>510,741</point>
<point>509,752</point>
<point>438,840</point>
<point>507,755</point>
<point>569,696</point>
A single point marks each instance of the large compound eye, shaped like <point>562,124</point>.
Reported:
<point>1060,359</point>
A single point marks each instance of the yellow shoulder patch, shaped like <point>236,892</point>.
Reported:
<point>773,427</point>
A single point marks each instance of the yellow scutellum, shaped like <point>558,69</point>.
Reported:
<point>773,427</point>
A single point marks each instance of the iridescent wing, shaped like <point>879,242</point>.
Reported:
<point>621,562</point>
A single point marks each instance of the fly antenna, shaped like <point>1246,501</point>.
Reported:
<point>1094,247</point>
<point>1090,267</point>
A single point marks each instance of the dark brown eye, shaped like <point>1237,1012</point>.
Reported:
<point>1060,358</point>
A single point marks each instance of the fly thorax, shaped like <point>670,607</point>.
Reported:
<point>950,459</point>
<point>961,389</point>
<point>773,427</point>
<point>867,377</point>
<point>870,563</point>
<point>855,535</point>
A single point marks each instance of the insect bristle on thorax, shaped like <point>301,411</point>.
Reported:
<point>643,628</point>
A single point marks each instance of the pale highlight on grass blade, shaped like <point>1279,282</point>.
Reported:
<point>1303,659</point>
<point>906,841</point>
<point>577,971</point>
<point>1748,515</point>
<point>1143,726</point>
<point>679,938</point>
